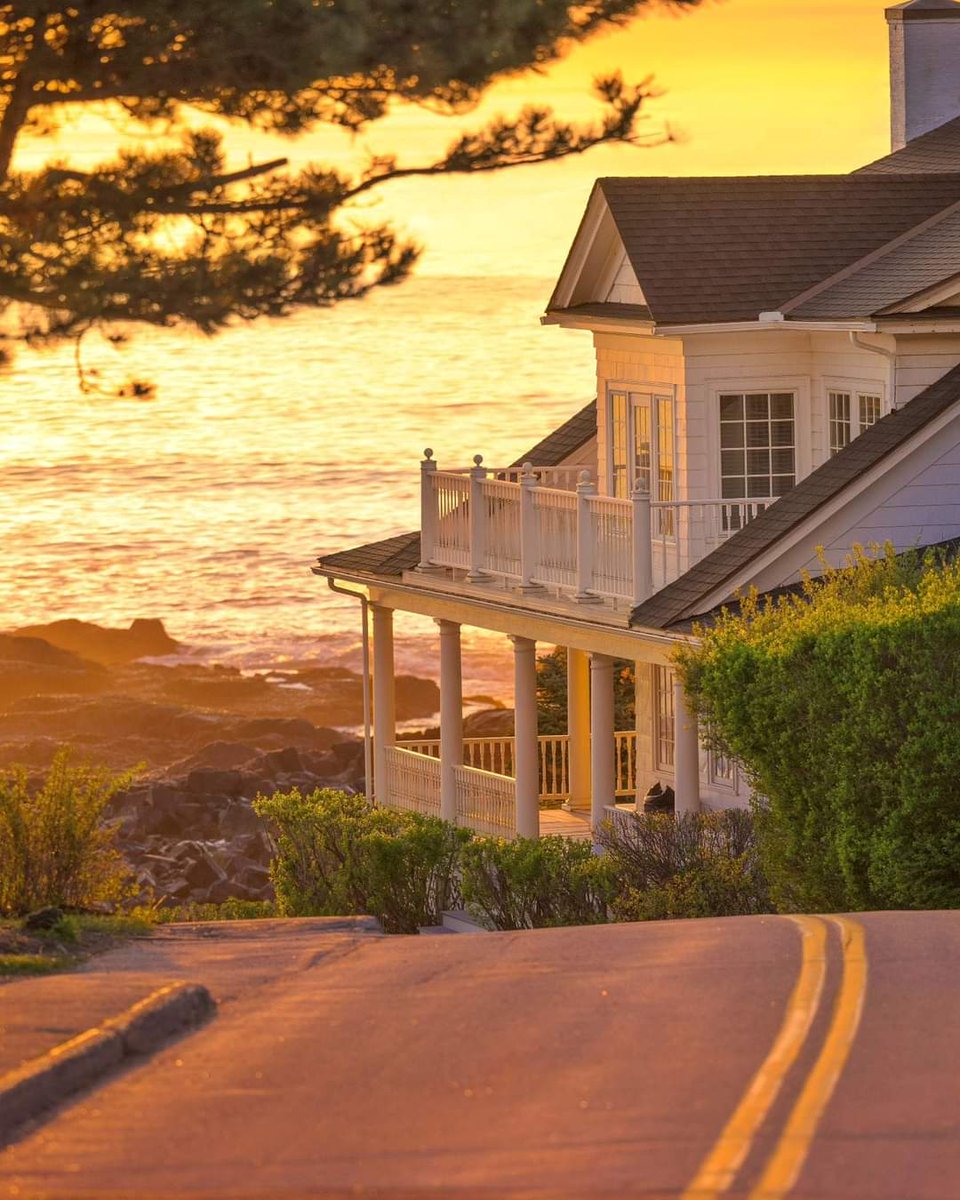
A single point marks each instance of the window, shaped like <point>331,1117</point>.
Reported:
<point>723,770</point>
<point>664,718</point>
<point>850,414</point>
<point>643,447</point>
<point>757,445</point>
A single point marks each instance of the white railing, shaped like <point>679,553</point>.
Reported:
<point>413,781</point>
<point>486,802</point>
<point>496,756</point>
<point>533,527</point>
<point>695,528</point>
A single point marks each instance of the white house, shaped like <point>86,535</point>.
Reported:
<point>777,370</point>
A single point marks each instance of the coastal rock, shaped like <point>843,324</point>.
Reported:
<point>145,638</point>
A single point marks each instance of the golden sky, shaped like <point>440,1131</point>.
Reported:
<point>751,87</point>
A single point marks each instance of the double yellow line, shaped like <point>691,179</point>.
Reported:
<point>783,1167</point>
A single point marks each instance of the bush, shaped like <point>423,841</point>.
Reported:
<point>694,865</point>
<point>843,704</point>
<point>529,883</point>
<point>55,846</point>
<point>336,855</point>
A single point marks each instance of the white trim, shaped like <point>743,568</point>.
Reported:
<point>655,391</point>
<point>582,248</point>
<point>600,324</point>
<point>768,327</point>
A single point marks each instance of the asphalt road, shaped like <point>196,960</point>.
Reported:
<point>753,1057</point>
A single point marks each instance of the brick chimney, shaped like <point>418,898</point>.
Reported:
<point>924,67</point>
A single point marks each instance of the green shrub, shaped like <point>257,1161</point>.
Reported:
<point>694,865</point>
<point>529,883</point>
<point>843,704</point>
<point>337,855</point>
<point>56,847</point>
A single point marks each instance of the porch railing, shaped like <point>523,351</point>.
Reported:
<point>413,781</point>
<point>496,756</point>
<point>547,527</point>
<point>486,802</point>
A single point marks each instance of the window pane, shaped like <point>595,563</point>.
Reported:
<point>642,447</point>
<point>781,406</point>
<point>731,435</point>
<point>732,487</point>
<point>781,462</point>
<point>782,484</point>
<point>781,433</point>
<point>618,443</point>
<point>869,411</point>
<point>758,407</point>
<point>758,433</point>
<point>732,462</point>
<point>758,485</point>
<point>758,462</point>
<point>731,408</point>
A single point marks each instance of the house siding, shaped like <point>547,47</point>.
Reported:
<point>922,360</point>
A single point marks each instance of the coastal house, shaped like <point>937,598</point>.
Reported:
<point>778,370</point>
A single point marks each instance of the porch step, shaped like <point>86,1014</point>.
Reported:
<point>460,921</point>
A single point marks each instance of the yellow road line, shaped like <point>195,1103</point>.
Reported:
<point>719,1168</point>
<point>785,1164</point>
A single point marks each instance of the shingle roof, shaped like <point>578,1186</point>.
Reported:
<point>688,594</point>
<point>560,444</point>
<point>726,249</point>
<point>936,152</point>
<point>924,258</point>
<point>392,556</point>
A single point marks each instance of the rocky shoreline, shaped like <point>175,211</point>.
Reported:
<point>207,740</point>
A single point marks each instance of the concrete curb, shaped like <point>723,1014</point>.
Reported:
<point>88,1057</point>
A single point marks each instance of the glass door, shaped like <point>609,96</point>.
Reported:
<point>643,449</point>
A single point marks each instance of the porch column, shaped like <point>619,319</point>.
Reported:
<point>526,764</point>
<point>451,717</point>
<point>578,728</point>
<point>384,698</point>
<point>602,778</point>
<point>686,754</point>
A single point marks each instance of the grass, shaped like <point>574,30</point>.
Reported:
<point>73,939</point>
<point>31,964</point>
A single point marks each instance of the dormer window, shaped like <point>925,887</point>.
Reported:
<point>851,412</point>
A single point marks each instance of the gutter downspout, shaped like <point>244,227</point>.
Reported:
<point>367,739</point>
<point>889,355</point>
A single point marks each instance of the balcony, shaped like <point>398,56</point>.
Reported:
<point>548,529</point>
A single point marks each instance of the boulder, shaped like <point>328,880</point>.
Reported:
<point>143,639</point>
<point>207,781</point>
<point>489,722</point>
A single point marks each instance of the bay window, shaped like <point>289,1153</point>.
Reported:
<point>851,412</point>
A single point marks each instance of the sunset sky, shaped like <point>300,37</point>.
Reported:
<point>751,86</point>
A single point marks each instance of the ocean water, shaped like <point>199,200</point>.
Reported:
<point>263,448</point>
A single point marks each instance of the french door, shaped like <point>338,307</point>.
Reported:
<point>643,448</point>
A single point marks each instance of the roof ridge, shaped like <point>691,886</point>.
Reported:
<point>868,259</point>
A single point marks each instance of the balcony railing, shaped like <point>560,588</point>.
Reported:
<point>547,527</point>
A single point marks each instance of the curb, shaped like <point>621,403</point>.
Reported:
<point>88,1057</point>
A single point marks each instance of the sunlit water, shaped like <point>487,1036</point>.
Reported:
<point>262,449</point>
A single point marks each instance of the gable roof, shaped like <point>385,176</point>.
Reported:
<point>936,152</point>
<point>709,250</point>
<point>688,595</point>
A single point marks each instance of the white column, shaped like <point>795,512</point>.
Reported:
<point>602,778</point>
<point>578,728</point>
<point>526,757</point>
<point>451,717</point>
<point>384,698</point>
<point>686,754</point>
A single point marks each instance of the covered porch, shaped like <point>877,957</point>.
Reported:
<point>526,785</point>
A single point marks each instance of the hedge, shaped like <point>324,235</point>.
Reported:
<point>842,702</point>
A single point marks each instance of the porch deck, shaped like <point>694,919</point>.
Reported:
<point>554,821</point>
